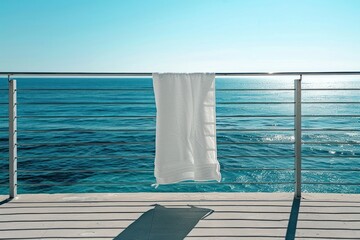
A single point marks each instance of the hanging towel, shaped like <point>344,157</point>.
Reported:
<point>185,128</point>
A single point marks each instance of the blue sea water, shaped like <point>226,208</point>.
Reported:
<point>85,153</point>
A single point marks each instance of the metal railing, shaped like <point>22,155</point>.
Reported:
<point>297,129</point>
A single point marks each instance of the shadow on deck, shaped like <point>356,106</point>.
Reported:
<point>180,215</point>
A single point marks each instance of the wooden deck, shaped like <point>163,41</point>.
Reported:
<point>235,216</point>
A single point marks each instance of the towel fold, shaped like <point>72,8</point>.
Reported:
<point>185,128</point>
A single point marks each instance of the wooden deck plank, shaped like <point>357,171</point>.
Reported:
<point>235,216</point>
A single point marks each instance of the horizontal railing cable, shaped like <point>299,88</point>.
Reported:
<point>330,89</point>
<point>151,89</point>
<point>87,116</point>
<point>329,130</point>
<point>140,170</point>
<point>330,115</point>
<point>146,156</point>
<point>138,103</point>
<point>152,116</point>
<point>331,169</point>
<point>330,102</point>
<point>332,183</point>
<point>147,89</point>
<point>219,116</point>
<point>331,143</point>
<point>136,143</point>
<point>222,169</point>
<point>87,157</point>
<point>150,130</point>
<point>86,130</point>
<point>152,103</point>
<point>331,156</point>
<point>147,183</point>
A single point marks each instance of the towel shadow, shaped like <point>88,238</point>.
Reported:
<point>163,223</point>
<point>294,215</point>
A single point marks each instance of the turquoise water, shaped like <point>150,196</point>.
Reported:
<point>99,158</point>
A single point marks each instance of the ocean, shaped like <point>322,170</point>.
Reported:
<point>82,135</point>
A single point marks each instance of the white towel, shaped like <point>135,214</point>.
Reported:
<point>185,128</point>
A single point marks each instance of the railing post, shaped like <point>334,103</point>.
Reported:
<point>12,139</point>
<point>297,135</point>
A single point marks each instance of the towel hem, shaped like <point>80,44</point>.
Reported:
<point>200,173</point>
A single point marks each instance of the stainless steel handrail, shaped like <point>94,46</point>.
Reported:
<point>149,74</point>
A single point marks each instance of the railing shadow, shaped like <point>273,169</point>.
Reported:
<point>5,201</point>
<point>293,219</point>
<point>162,223</point>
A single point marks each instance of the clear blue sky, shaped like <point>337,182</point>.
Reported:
<point>179,35</point>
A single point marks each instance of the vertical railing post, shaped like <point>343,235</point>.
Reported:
<point>12,139</point>
<point>297,135</point>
